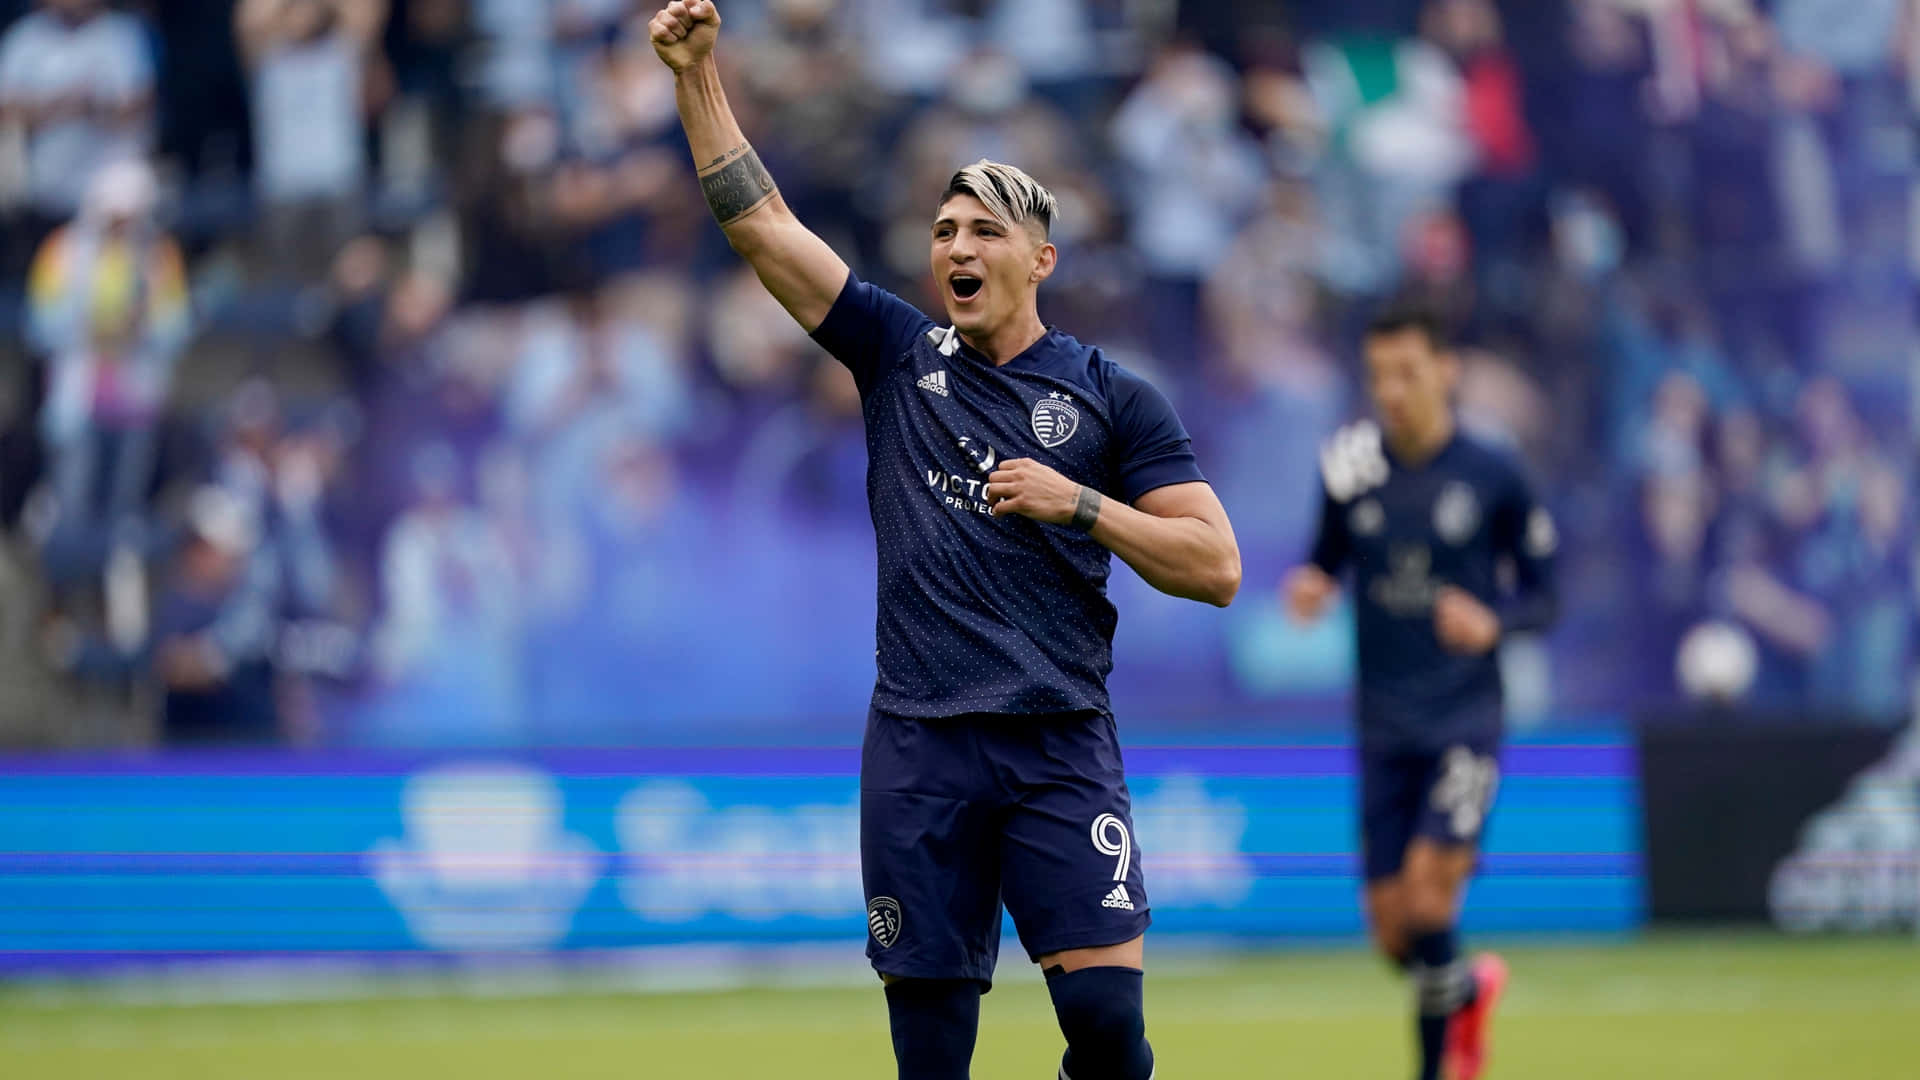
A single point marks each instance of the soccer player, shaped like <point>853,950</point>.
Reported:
<point>1007,463</point>
<point>1429,520</point>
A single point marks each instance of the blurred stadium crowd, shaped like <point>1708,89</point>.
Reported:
<point>374,374</point>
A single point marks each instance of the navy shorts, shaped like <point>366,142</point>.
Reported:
<point>1445,796</point>
<point>958,816</point>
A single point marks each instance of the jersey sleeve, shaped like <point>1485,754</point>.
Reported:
<point>869,329</point>
<point>1151,446</point>
<point>1523,530</point>
<point>1330,544</point>
<point>1351,464</point>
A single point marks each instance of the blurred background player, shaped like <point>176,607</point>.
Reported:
<point>1449,553</point>
<point>991,767</point>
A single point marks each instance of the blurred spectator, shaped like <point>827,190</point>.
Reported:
<point>1747,530</point>
<point>1261,296</point>
<point>915,46</point>
<point>1053,41</point>
<point>501,192</point>
<point>279,476</point>
<point>243,463</point>
<point>305,465</point>
<point>1502,200</point>
<point>799,458</point>
<point>620,197</point>
<point>1271,382</point>
<point>1194,177</point>
<point>540,54</point>
<point>804,79</point>
<point>1843,607</point>
<point>1675,510</point>
<point>400,342</point>
<point>545,550</point>
<point>1836,77</point>
<point>1658,329</point>
<point>910,46</point>
<point>316,78</point>
<point>1398,142</point>
<point>214,628</point>
<point>425,40</point>
<point>210,646</point>
<point>757,348</point>
<point>1437,267</point>
<point>448,641</point>
<point>79,80</point>
<point>109,309</point>
<point>580,30</point>
<point>205,115</point>
<point>1470,31</point>
<point>1249,28</point>
<point>386,320</point>
<point>1598,132</point>
<point>586,377</point>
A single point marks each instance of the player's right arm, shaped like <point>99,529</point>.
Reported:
<point>1351,463</point>
<point>796,266</point>
<point>1310,589</point>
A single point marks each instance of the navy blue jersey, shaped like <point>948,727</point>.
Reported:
<point>983,614</point>
<point>1406,532</point>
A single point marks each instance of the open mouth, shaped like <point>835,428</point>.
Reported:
<point>965,286</point>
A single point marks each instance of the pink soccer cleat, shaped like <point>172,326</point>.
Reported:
<point>1466,1052</point>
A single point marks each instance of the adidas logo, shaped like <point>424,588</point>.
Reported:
<point>1118,898</point>
<point>936,382</point>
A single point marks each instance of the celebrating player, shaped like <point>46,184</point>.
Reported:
<point>1426,517</point>
<point>1007,461</point>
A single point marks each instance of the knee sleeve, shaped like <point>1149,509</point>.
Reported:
<point>1102,1014</point>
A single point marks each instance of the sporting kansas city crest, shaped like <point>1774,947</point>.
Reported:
<point>883,920</point>
<point>1456,514</point>
<point>1055,419</point>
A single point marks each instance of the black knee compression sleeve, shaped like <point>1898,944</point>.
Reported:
<point>1102,1015</point>
<point>934,1023</point>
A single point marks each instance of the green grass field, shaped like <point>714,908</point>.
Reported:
<point>1739,1007</point>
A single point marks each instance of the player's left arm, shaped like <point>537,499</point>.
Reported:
<point>1523,531</point>
<point>1177,538</point>
<point>1167,523</point>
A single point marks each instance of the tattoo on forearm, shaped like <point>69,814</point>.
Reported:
<point>1086,512</point>
<point>726,157</point>
<point>737,188</point>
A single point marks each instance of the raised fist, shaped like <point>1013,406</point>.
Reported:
<point>684,31</point>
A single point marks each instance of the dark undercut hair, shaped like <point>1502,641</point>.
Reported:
<point>1006,192</point>
<point>1419,318</point>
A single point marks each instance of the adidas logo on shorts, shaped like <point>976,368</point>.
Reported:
<point>1118,898</point>
<point>936,382</point>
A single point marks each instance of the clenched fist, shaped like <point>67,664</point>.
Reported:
<point>1307,592</point>
<point>1026,487</point>
<point>684,31</point>
<point>1464,625</point>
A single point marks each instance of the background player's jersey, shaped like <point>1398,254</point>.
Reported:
<point>1407,532</point>
<point>981,613</point>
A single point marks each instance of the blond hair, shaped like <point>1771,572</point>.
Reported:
<point>1008,193</point>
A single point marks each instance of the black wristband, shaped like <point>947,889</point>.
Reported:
<point>1086,512</point>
